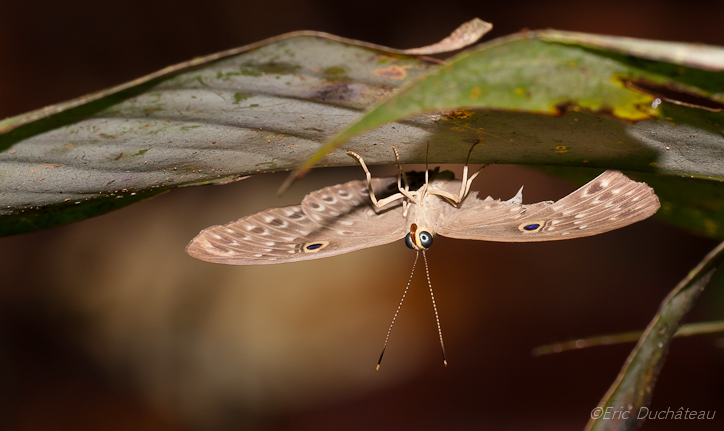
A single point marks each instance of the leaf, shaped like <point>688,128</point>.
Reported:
<point>255,109</point>
<point>625,337</point>
<point>270,105</point>
<point>610,88</point>
<point>465,35</point>
<point>634,385</point>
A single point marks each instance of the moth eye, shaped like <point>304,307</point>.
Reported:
<point>425,239</point>
<point>408,242</point>
<point>531,227</point>
<point>313,247</point>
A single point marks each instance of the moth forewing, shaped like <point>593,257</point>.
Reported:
<point>330,221</point>
<point>360,214</point>
<point>609,201</point>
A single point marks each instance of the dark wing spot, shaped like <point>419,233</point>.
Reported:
<point>327,198</point>
<point>315,205</point>
<point>219,248</point>
<point>605,196</point>
<point>533,227</point>
<point>313,247</point>
<point>258,230</point>
<point>276,222</point>
<point>595,187</point>
<point>296,216</point>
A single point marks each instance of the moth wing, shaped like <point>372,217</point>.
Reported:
<point>609,201</point>
<point>330,221</point>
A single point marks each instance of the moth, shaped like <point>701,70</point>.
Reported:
<point>417,207</point>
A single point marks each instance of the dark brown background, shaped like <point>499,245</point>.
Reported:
<point>98,330</point>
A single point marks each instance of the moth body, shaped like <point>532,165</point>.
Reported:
<point>366,213</point>
<point>342,218</point>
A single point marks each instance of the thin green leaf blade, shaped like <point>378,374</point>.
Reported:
<point>632,389</point>
<point>625,337</point>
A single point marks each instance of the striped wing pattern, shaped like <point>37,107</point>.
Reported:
<point>330,221</point>
<point>609,201</point>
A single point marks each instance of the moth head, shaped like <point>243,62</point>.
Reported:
<point>419,238</point>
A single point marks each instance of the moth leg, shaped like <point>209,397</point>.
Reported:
<point>401,174</point>
<point>467,182</point>
<point>464,188</point>
<point>453,198</point>
<point>376,203</point>
<point>412,196</point>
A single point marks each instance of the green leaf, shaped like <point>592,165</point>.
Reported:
<point>604,96</point>
<point>634,385</point>
<point>271,105</point>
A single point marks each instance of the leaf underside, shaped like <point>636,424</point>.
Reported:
<point>270,106</point>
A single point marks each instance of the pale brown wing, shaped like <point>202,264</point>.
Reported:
<point>608,202</point>
<point>331,221</point>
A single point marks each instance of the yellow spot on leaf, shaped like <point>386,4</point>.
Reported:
<point>458,115</point>
<point>711,227</point>
<point>47,165</point>
<point>475,93</point>
<point>393,72</point>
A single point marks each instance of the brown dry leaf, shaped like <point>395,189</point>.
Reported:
<point>467,34</point>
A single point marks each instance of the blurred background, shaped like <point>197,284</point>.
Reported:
<point>108,324</point>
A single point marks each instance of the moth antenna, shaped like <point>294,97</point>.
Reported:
<point>387,338</point>
<point>434,306</point>
<point>470,152</point>
<point>427,153</point>
<point>399,168</point>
